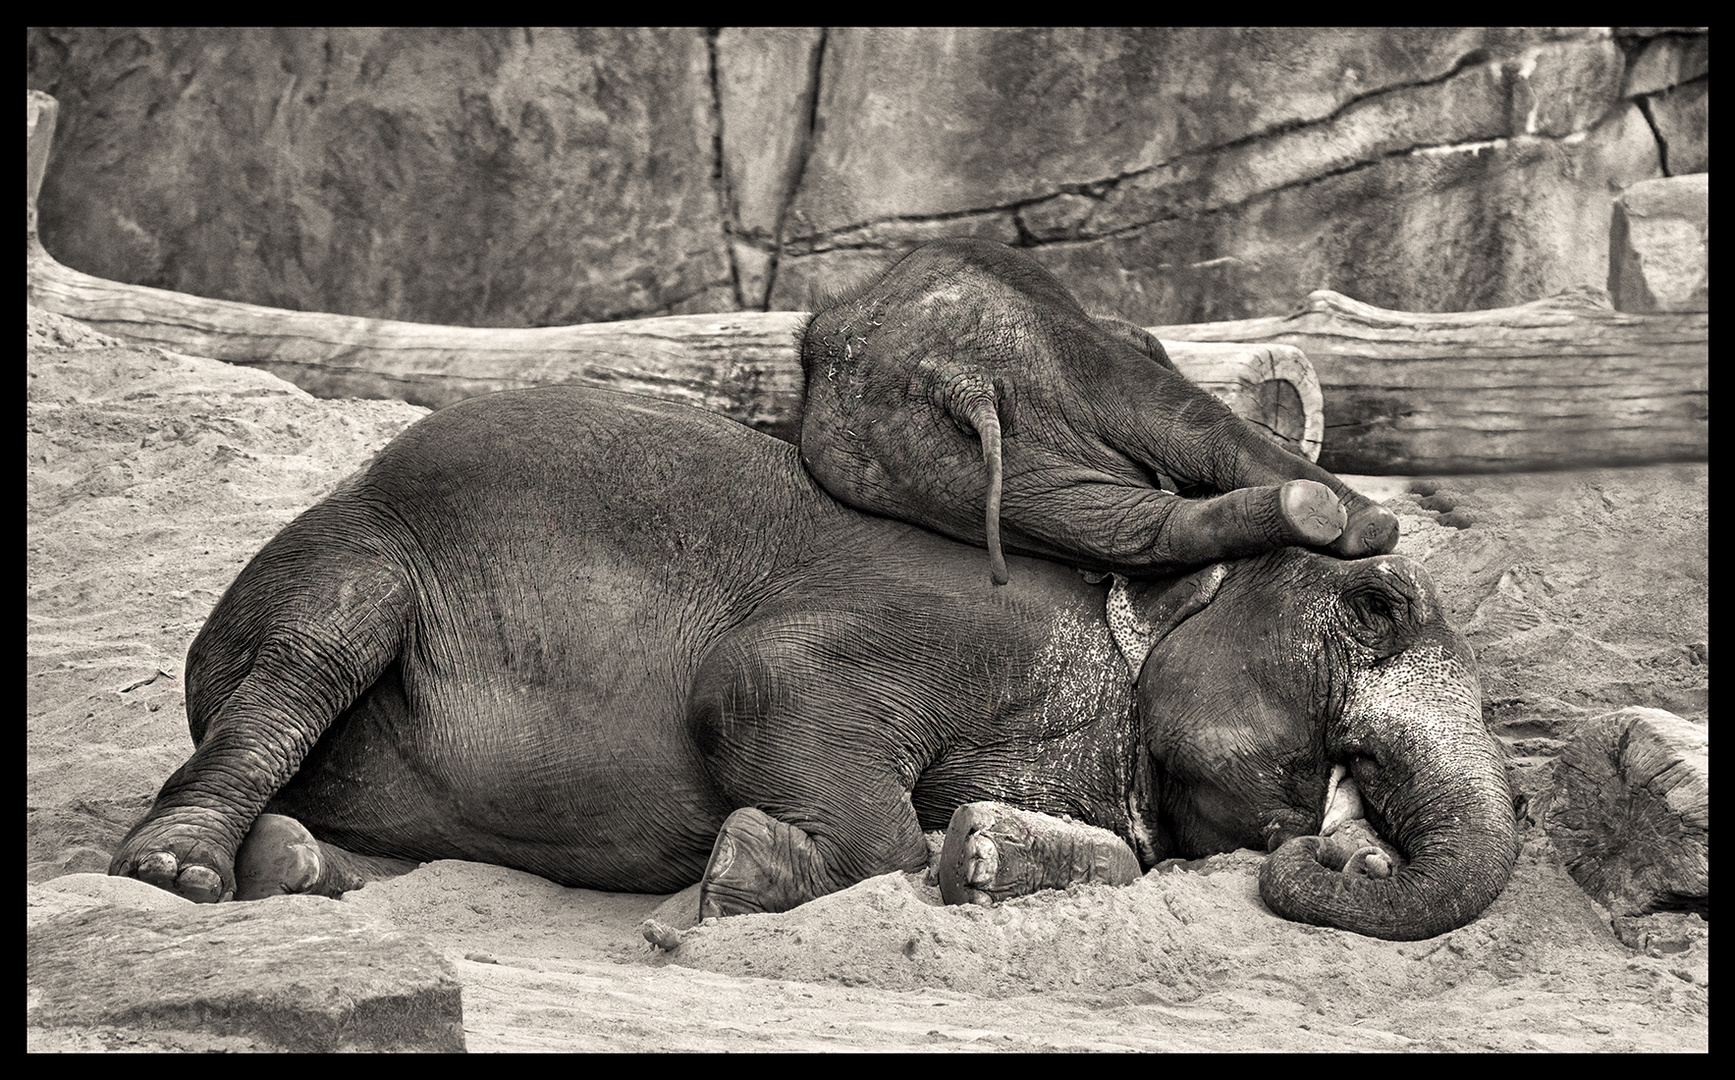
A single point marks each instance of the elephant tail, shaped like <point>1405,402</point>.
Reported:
<point>980,412</point>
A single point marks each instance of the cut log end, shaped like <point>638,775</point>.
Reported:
<point>1629,810</point>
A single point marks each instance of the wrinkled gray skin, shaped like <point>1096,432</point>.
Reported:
<point>625,645</point>
<point>965,390</point>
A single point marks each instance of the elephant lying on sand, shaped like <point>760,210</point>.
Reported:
<point>965,390</point>
<point>599,638</point>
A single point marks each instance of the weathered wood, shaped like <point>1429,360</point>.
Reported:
<point>1558,383</point>
<point>1629,809</point>
<point>741,364</point>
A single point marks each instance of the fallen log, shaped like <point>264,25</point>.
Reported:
<point>1629,809</point>
<point>741,364</point>
<point>1558,383</point>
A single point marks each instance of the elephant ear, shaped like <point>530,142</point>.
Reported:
<point>1142,613</point>
<point>1384,605</point>
<point>1139,338</point>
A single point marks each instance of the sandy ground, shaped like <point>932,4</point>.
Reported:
<point>153,478</point>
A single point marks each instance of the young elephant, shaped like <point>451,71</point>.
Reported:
<point>967,391</point>
<point>628,645</point>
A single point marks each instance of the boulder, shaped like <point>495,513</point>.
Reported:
<point>1682,116</point>
<point>1195,175</point>
<point>766,80</point>
<point>1659,63</point>
<point>1670,72</point>
<point>1660,245</point>
<point>293,973</point>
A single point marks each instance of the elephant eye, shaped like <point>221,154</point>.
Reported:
<point>1377,621</point>
<point>1374,612</point>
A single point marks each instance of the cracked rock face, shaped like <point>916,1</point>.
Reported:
<point>529,177</point>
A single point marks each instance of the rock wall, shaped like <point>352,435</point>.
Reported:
<point>536,177</point>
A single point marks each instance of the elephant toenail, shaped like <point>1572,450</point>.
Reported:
<point>200,883</point>
<point>157,866</point>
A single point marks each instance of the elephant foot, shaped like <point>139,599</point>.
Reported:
<point>759,864</point>
<point>181,854</point>
<point>1245,521</point>
<point>969,861</point>
<point>278,856</point>
<point>281,857</point>
<point>994,852</point>
<point>1311,511</point>
<point>1371,530</point>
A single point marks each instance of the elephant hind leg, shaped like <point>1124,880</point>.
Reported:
<point>788,735</point>
<point>308,626</point>
<point>762,864</point>
<point>280,856</point>
<point>1137,530</point>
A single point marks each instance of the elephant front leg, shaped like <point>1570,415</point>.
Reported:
<point>761,864</point>
<point>995,852</point>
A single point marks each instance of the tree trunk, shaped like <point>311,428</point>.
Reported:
<point>1630,811</point>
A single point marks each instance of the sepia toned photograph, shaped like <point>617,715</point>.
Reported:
<point>813,539</point>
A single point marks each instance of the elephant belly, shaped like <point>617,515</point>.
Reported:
<point>584,793</point>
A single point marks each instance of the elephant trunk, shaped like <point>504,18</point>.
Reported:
<point>1436,788</point>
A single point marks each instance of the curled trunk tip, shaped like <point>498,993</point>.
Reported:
<point>1431,896</point>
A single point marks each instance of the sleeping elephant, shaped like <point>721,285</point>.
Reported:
<point>965,390</point>
<point>628,645</point>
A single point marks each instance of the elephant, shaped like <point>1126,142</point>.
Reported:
<point>965,390</point>
<point>629,645</point>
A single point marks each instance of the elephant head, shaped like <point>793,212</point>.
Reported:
<point>1274,691</point>
<point>966,391</point>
